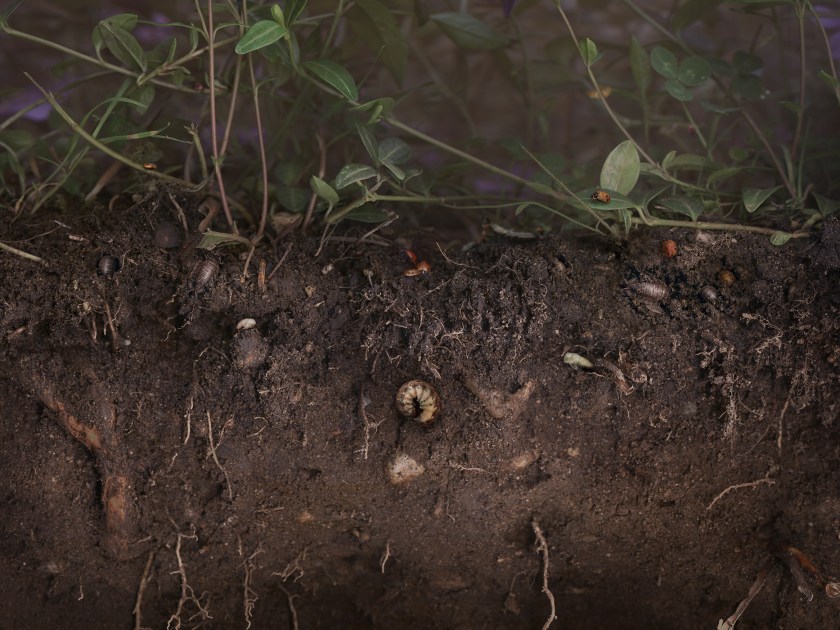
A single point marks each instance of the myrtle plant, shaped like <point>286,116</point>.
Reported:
<point>313,113</point>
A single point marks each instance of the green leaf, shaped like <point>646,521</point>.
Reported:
<point>369,142</point>
<point>827,206</point>
<point>278,16</point>
<point>123,45</point>
<point>210,240</point>
<point>262,34</point>
<point>688,206</point>
<point>468,31</point>
<point>393,151</point>
<point>678,90</point>
<point>745,63</point>
<point>779,238</point>
<point>379,108</point>
<point>588,51</point>
<point>718,109</point>
<point>748,87</point>
<point>367,213</point>
<point>753,198</point>
<point>664,62</point>
<point>829,80</point>
<point>126,21</point>
<point>689,161</point>
<point>293,10</point>
<point>694,71</point>
<point>323,190</point>
<point>353,173</point>
<point>722,174</point>
<point>617,200</point>
<point>375,26</point>
<point>669,157</point>
<point>293,199</point>
<point>335,76</point>
<point>640,65</point>
<point>692,11</point>
<point>620,171</point>
<point>143,96</point>
<point>721,67</point>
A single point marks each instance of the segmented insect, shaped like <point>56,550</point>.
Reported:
<point>601,195</point>
<point>419,401</point>
<point>651,290</point>
<point>204,272</point>
<point>108,265</point>
<point>726,277</point>
<point>709,293</point>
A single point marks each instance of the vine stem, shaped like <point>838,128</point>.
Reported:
<point>709,225</point>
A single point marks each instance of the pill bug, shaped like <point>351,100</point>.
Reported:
<point>651,290</point>
<point>204,272</point>
<point>419,401</point>
<point>108,265</point>
<point>709,293</point>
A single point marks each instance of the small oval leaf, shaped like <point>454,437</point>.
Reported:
<point>688,206</point>
<point>753,198</point>
<point>323,190</point>
<point>393,151</point>
<point>694,71</point>
<point>468,31</point>
<point>664,62</point>
<point>353,173</point>
<point>779,238</point>
<point>262,34</point>
<point>588,51</point>
<point>678,91</point>
<point>620,171</point>
<point>335,76</point>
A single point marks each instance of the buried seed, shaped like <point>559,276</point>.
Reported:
<point>418,400</point>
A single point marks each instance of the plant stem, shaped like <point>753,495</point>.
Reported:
<point>651,221</point>
<point>22,254</point>
<point>800,113</point>
<point>828,52</point>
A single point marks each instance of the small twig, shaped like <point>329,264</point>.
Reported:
<point>263,161</point>
<point>279,262</point>
<point>322,168</point>
<point>138,602</point>
<point>542,548</point>
<point>738,486</point>
<point>385,556</point>
<point>760,580</point>
<point>215,457</point>
<point>22,254</point>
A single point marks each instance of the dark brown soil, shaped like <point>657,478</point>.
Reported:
<point>287,517</point>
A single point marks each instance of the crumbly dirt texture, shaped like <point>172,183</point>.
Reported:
<point>163,468</point>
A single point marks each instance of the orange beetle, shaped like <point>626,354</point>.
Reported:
<point>601,195</point>
<point>668,248</point>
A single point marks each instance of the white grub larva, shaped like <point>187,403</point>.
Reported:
<point>418,400</point>
<point>651,290</point>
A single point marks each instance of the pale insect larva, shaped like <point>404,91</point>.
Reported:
<point>419,401</point>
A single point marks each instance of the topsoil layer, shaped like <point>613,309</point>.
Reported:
<point>162,468</point>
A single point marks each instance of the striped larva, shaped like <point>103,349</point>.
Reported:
<point>651,290</point>
<point>418,400</point>
<point>204,272</point>
<point>108,265</point>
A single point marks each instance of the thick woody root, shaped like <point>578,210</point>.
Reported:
<point>100,440</point>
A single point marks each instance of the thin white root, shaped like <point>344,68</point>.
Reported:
<point>187,593</point>
<point>738,486</point>
<point>292,611</point>
<point>542,548</point>
<point>385,556</point>
<point>141,588</point>
<point>249,595</point>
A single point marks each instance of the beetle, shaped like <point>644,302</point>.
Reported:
<point>601,195</point>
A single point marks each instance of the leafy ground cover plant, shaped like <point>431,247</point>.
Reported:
<point>301,112</point>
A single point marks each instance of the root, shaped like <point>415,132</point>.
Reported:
<point>370,427</point>
<point>738,486</point>
<point>215,457</point>
<point>385,557</point>
<point>187,593</point>
<point>249,596</point>
<point>542,548</point>
<point>292,611</point>
<point>141,589</point>
<point>760,580</point>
